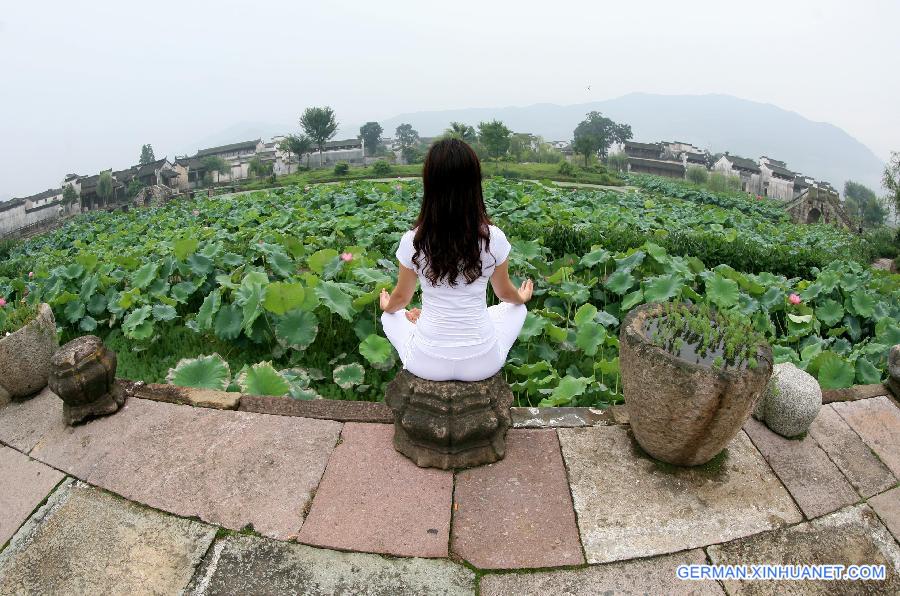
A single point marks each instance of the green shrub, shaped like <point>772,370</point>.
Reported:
<point>883,242</point>
<point>6,247</point>
<point>717,182</point>
<point>341,168</point>
<point>13,318</point>
<point>381,168</point>
<point>733,183</point>
<point>566,169</point>
<point>697,174</point>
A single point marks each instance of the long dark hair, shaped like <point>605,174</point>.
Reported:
<point>453,220</point>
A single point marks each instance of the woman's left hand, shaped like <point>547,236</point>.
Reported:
<point>384,298</point>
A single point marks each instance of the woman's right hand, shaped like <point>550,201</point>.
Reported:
<point>526,290</point>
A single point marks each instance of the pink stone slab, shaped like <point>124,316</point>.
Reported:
<point>24,483</point>
<point>850,454</point>
<point>230,468</point>
<point>887,506</point>
<point>816,484</point>
<point>372,499</point>
<point>517,512</point>
<point>877,421</point>
<point>22,424</point>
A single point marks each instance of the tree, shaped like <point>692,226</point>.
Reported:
<point>258,168</point>
<point>370,133</point>
<point>105,186</point>
<point>522,146</point>
<point>299,145</point>
<point>320,126</point>
<point>216,164</point>
<point>596,133</point>
<point>69,194</point>
<point>863,205</point>
<point>494,135</point>
<point>891,180</point>
<point>146,154</point>
<point>407,136</point>
<point>133,188</point>
<point>463,132</point>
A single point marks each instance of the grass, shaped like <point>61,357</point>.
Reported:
<point>526,171</point>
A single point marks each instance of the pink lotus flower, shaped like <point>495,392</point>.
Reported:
<point>346,256</point>
<point>794,299</point>
<point>2,302</point>
<point>30,274</point>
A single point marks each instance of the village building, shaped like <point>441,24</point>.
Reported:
<point>652,158</point>
<point>24,212</point>
<point>776,181</point>
<point>745,169</point>
<point>344,150</point>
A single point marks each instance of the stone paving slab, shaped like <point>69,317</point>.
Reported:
<point>631,506</point>
<point>641,576</point>
<point>851,536</point>
<point>559,417</point>
<point>24,484</point>
<point>372,499</point>
<point>517,512</point>
<point>22,424</point>
<point>251,565</point>
<point>877,421</point>
<point>85,541</point>
<point>813,480</point>
<point>887,506</point>
<point>850,454</point>
<point>230,468</point>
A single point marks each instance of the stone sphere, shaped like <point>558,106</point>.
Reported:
<point>791,401</point>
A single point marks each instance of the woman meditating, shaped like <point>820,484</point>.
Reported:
<point>453,250</point>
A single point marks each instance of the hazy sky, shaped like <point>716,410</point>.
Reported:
<point>84,84</point>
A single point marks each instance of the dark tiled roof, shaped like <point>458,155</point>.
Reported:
<point>149,169</point>
<point>696,157</point>
<point>774,161</point>
<point>657,163</point>
<point>636,145</point>
<point>227,148</point>
<point>800,182</point>
<point>742,163</point>
<point>781,171</point>
<point>51,192</point>
<point>11,204</point>
<point>344,143</point>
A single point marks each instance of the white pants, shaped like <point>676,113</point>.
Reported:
<point>456,364</point>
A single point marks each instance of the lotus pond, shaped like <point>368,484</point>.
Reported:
<point>275,292</point>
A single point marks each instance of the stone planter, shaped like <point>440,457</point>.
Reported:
<point>450,424</point>
<point>681,412</point>
<point>83,375</point>
<point>893,382</point>
<point>25,356</point>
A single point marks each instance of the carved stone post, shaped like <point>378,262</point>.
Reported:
<point>450,424</point>
<point>83,375</point>
<point>893,381</point>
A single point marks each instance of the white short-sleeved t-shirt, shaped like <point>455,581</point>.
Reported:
<point>456,316</point>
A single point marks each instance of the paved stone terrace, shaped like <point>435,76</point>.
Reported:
<point>164,498</point>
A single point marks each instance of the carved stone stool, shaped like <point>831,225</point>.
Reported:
<point>83,375</point>
<point>450,424</point>
<point>893,382</point>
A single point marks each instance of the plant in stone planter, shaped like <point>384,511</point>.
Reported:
<point>27,342</point>
<point>691,376</point>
